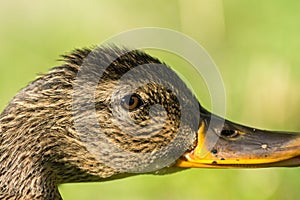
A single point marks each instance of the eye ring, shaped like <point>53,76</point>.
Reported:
<point>131,102</point>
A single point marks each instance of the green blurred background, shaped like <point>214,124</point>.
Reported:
<point>254,43</point>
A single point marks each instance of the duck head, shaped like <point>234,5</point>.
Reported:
<point>110,113</point>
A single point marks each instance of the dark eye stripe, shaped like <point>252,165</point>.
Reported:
<point>131,102</point>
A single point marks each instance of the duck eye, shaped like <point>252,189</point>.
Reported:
<point>131,102</point>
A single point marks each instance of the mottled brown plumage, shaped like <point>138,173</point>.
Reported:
<point>40,147</point>
<point>111,113</point>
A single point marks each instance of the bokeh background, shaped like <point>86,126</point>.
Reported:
<point>255,44</point>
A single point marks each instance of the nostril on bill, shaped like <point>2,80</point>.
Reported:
<point>229,133</point>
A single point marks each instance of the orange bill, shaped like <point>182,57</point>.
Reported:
<point>223,144</point>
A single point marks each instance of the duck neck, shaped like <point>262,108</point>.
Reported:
<point>39,147</point>
<point>25,151</point>
<point>23,174</point>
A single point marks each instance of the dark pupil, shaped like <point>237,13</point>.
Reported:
<point>130,101</point>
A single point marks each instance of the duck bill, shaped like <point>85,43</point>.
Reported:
<point>223,144</point>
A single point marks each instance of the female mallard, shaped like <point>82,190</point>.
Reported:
<point>83,121</point>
